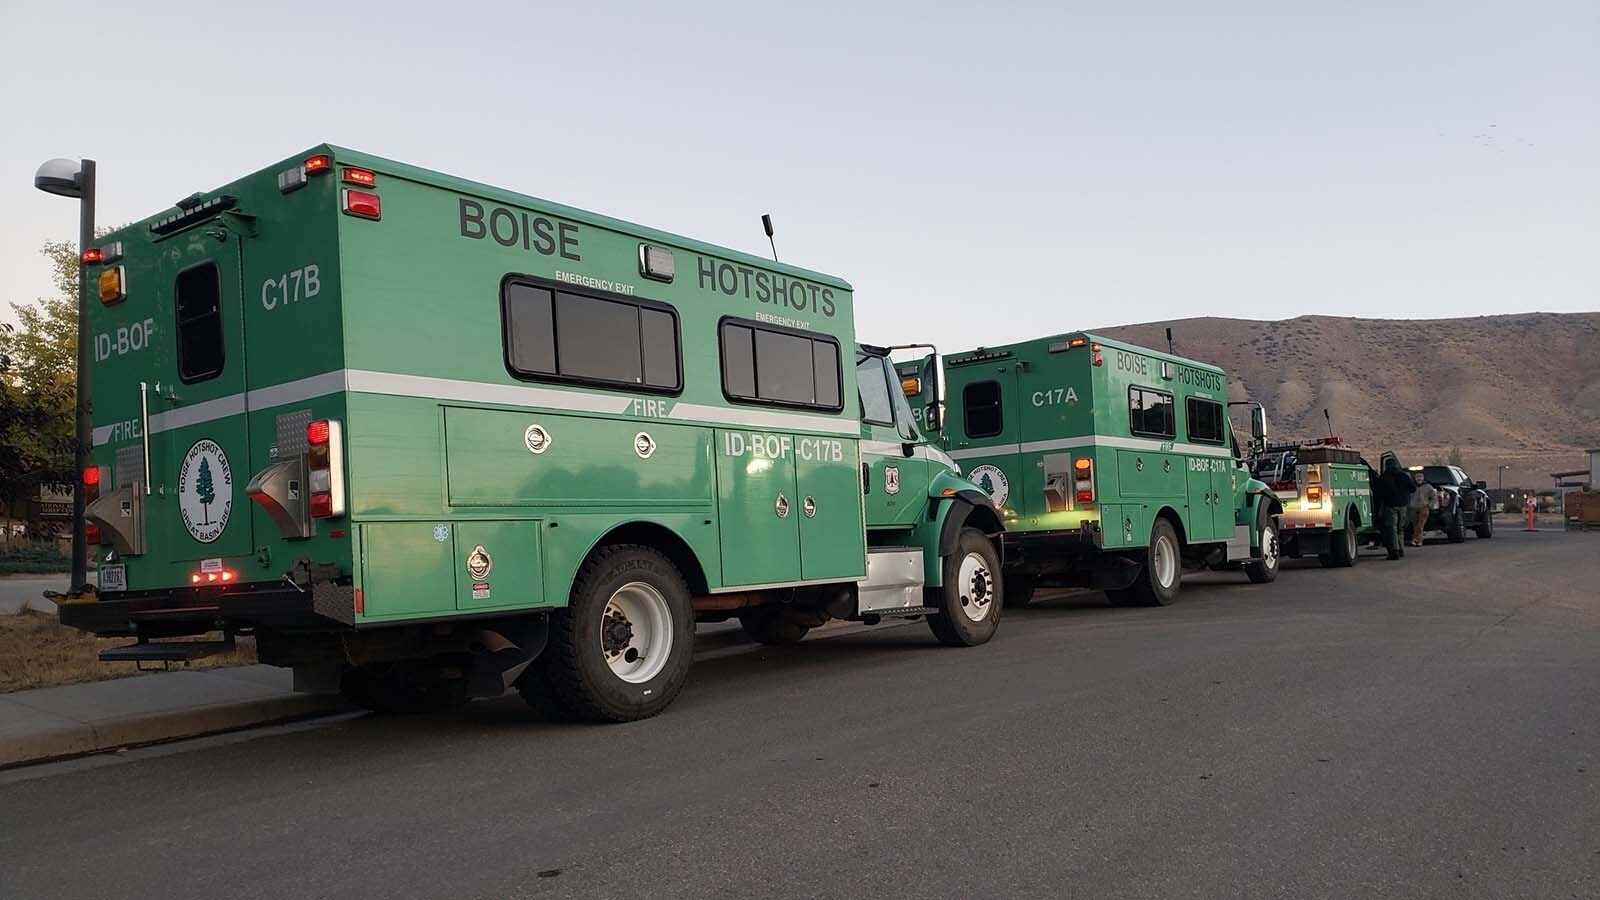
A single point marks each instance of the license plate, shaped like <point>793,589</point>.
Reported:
<point>113,578</point>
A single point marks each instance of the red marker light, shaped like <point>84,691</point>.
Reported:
<point>211,576</point>
<point>91,532</point>
<point>362,203</point>
<point>320,164</point>
<point>359,176</point>
<point>227,576</point>
<point>321,505</point>
<point>92,255</point>
<point>317,432</point>
<point>91,476</point>
<point>194,579</point>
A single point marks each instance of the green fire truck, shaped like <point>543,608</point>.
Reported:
<point>425,439</point>
<point>1113,466</point>
<point>1326,492</point>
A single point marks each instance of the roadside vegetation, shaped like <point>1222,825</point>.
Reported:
<point>37,651</point>
<point>32,561</point>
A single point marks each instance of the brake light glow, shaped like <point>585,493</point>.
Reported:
<point>359,176</point>
<point>1083,480</point>
<point>317,432</point>
<point>1314,495</point>
<point>92,255</point>
<point>1077,342</point>
<point>222,576</point>
<point>362,203</point>
<point>91,476</point>
<point>320,164</point>
<point>91,533</point>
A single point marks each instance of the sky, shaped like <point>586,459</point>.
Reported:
<point>980,172</point>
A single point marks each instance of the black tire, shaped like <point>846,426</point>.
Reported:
<point>401,689</point>
<point>772,627</point>
<point>1457,532</point>
<point>1147,589</point>
<point>1485,529</point>
<point>574,666</point>
<point>968,613</point>
<point>1264,559</point>
<point>1343,552</point>
<point>1019,591</point>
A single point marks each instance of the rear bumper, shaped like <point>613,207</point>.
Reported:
<point>272,605</point>
<point>1072,558</point>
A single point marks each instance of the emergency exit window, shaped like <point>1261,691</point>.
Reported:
<point>1150,413</point>
<point>766,365</point>
<point>1205,420</point>
<point>561,335</point>
<point>198,294</point>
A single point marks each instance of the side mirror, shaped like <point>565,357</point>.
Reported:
<point>1481,485</point>
<point>935,416</point>
<point>1258,423</point>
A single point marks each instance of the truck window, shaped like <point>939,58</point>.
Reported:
<point>980,409</point>
<point>558,335</point>
<point>873,385</point>
<point>761,364</point>
<point>1205,420</point>
<point>1150,413</point>
<point>198,305</point>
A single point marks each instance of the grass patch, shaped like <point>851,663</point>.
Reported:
<point>36,650</point>
<point>32,561</point>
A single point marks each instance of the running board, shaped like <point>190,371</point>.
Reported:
<point>170,651</point>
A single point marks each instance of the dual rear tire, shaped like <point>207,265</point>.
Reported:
<point>1161,577</point>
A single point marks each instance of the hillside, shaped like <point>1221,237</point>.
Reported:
<point>1523,390</point>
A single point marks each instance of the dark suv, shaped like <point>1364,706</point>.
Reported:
<point>1463,503</point>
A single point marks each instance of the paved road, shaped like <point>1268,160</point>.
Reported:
<point>19,592</point>
<point>1429,728</point>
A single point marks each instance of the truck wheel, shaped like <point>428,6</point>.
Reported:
<point>1485,529</point>
<point>1457,532</point>
<point>772,627</point>
<point>1343,553</point>
<point>969,603</point>
<point>397,689</point>
<point>1162,575</point>
<point>620,651</point>
<point>1019,591</point>
<point>1263,565</point>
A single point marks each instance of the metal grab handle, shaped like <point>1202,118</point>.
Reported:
<point>809,507</point>
<point>781,507</point>
<point>144,431</point>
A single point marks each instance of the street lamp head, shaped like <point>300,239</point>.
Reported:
<point>62,177</point>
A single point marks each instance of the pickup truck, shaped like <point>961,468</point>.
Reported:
<point>1463,503</point>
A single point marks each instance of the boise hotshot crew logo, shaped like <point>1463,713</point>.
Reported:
<point>993,481</point>
<point>205,491</point>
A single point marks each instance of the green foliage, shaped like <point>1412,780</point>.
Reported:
<point>38,382</point>
<point>32,561</point>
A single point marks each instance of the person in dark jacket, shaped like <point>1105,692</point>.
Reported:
<point>1391,493</point>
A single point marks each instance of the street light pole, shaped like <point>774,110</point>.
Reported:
<point>1502,476</point>
<point>66,178</point>
<point>83,437</point>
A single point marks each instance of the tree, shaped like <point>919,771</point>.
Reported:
<point>987,484</point>
<point>38,380</point>
<point>204,488</point>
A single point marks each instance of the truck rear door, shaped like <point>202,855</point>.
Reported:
<point>984,433</point>
<point>199,432</point>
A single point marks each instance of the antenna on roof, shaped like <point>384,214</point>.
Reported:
<point>1329,420</point>
<point>1169,340</point>
<point>766,224</point>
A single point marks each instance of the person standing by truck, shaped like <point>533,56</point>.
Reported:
<point>1423,500</point>
<point>1391,492</point>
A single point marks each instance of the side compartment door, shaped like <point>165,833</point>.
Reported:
<point>1203,506</point>
<point>758,507</point>
<point>833,542</point>
<point>893,482</point>
<point>984,433</point>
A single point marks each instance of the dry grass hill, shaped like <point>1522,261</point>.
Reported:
<point>1523,390</point>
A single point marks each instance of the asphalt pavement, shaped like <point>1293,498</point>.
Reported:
<point>1426,728</point>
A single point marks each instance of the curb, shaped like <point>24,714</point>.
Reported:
<point>133,731</point>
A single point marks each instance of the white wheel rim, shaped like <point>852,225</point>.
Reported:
<point>975,587</point>
<point>1269,547</point>
<point>636,632</point>
<point>1164,561</point>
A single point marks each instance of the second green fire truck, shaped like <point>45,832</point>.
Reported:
<point>423,438</point>
<point>1113,466</point>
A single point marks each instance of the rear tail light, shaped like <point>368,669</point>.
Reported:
<point>320,164</point>
<point>325,460</point>
<point>358,176</point>
<point>1313,494</point>
<point>1099,358</point>
<point>218,576</point>
<point>362,203</point>
<point>91,533</point>
<point>1083,480</point>
<point>92,256</point>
